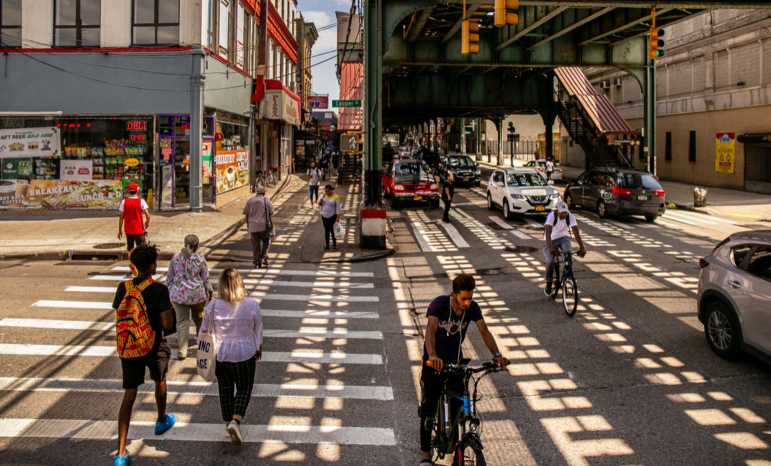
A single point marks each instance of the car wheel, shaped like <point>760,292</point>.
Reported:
<point>569,201</point>
<point>477,184</point>
<point>506,210</point>
<point>490,204</point>
<point>435,204</point>
<point>722,331</point>
<point>651,218</point>
<point>386,194</point>
<point>602,211</point>
<point>394,202</point>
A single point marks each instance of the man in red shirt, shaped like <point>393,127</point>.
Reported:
<point>131,211</point>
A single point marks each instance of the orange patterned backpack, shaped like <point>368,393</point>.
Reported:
<point>135,335</point>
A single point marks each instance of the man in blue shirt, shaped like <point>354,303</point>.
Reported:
<point>448,320</point>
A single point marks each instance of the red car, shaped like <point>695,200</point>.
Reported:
<point>410,180</point>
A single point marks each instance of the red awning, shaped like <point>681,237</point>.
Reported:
<point>260,86</point>
<point>351,88</point>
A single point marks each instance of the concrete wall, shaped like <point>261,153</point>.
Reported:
<point>37,24</point>
<point>191,15</point>
<point>226,88</point>
<point>707,125</point>
<point>115,30</point>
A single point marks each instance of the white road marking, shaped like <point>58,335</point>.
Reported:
<point>696,218</point>
<point>670,225</point>
<point>263,295</point>
<point>619,224</point>
<point>520,235</point>
<point>107,430</point>
<point>73,304</point>
<point>307,273</point>
<point>270,333</point>
<point>420,235</point>
<point>91,289</point>
<point>199,388</point>
<point>478,203</point>
<point>501,223</point>
<point>677,219</point>
<point>125,268</point>
<point>454,235</point>
<point>110,351</point>
<point>317,284</point>
<point>532,222</point>
<point>122,278</point>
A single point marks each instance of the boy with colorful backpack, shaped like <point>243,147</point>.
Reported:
<point>143,311</point>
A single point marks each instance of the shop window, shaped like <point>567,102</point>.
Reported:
<point>692,147</point>
<point>76,23</point>
<point>156,22</point>
<point>10,23</point>
<point>668,148</point>
<point>240,36</point>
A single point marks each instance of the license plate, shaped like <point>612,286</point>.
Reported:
<point>642,198</point>
<point>539,208</point>
<point>465,179</point>
<point>417,198</point>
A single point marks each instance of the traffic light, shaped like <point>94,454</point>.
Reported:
<point>502,15</point>
<point>656,44</point>
<point>470,38</point>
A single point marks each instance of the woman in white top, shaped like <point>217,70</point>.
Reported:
<point>238,332</point>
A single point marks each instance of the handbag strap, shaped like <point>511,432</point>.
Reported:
<point>269,223</point>
<point>211,316</point>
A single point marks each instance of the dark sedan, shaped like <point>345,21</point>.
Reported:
<point>616,191</point>
<point>464,168</point>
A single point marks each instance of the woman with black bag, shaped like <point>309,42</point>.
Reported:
<point>258,211</point>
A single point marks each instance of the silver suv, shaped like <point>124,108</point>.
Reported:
<point>735,295</point>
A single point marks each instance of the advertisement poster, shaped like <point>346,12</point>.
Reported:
<point>299,150</point>
<point>232,169</point>
<point>29,142</point>
<point>60,194</point>
<point>318,102</point>
<point>725,155</point>
<point>167,188</point>
<point>76,170</point>
<point>14,169</point>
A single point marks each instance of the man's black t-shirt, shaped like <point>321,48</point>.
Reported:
<point>450,332</point>
<point>157,300</point>
<point>448,184</point>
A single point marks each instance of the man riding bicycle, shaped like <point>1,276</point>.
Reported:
<point>556,237</point>
<point>448,319</point>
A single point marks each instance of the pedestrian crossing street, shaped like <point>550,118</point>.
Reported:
<point>316,333</point>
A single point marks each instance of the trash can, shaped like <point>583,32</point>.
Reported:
<point>699,197</point>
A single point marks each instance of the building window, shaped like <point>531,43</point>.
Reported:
<point>156,22</point>
<point>77,23</point>
<point>10,23</point>
<point>692,147</point>
<point>211,24</point>
<point>668,148</point>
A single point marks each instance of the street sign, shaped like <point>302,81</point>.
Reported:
<point>349,143</point>
<point>346,103</point>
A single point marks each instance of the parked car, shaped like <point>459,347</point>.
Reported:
<point>617,191</point>
<point>540,165</point>
<point>734,300</point>
<point>521,191</point>
<point>464,168</point>
<point>432,159</point>
<point>410,180</point>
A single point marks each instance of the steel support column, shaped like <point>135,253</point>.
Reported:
<point>463,136</point>
<point>650,118</point>
<point>499,124</point>
<point>197,79</point>
<point>478,134</point>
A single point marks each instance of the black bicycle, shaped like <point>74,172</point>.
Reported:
<point>459,436</point>
<point>566,281</point>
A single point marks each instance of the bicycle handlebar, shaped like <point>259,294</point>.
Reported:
<point>449,367</point>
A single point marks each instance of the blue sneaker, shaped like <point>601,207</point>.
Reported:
<point>162,427</point>
<point>122,460</point>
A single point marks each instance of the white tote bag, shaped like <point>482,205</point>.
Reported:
<point>339,230</point>
<point>205,356</point>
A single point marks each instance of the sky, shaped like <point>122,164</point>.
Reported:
<point>322,13</point>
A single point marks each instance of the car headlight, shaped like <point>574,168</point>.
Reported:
<point>399,187</point>
<point>434,186</point>
<point>517,197</point>
<point>555,196</point>
<point>478,172</point>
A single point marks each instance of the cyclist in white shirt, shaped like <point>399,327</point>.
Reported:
<point>556,236</point>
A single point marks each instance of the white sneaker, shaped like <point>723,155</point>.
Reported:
<point>235,433</point>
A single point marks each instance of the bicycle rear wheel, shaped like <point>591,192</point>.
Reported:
<point>569,295</point>
<point>468,456</point>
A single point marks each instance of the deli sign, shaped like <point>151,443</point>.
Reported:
<point>280,105</point>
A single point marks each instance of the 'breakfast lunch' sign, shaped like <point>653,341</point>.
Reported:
<point>29,142</point>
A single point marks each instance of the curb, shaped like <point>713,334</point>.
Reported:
<point>701,210</point>
<point>371,257</point>
<point>35,256</point>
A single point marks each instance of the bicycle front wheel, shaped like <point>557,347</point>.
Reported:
<point>468,456</point>
<point>569,295</point>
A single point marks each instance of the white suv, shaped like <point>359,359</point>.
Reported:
<point>735,295</point>
<point>521,191</point>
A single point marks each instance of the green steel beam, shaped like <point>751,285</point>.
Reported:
<point>531,27</point>
<point>470,10</point>
<point>417,24</point>
<point>567,29</point>
<point>624,27</point>
<point>373,87</point>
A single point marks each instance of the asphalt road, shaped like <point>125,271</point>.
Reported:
<point>628,380</point>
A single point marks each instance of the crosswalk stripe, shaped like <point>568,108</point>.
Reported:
<point>455,235</point>
<point>678,219</point>
<point>695,218</point>
<point>306,273</point>
<point>519,234</point>
<point>532,222</point>
<point>269,333</point>
<point>265,312</point>
<point>108,430</point>
<point>122,278</point>
<point>110,351</point>
<point>619,224</point>
<point>92,289</point>
<point>194,388</point>
<point>247,281</point>
<point>501,223</point>
<point>420,235</point>
<point>263,295</point>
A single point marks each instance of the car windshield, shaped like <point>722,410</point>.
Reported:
<point>464,162</point>
<point>411,169</point>
<point>525,179</point>
<point>637,181</point>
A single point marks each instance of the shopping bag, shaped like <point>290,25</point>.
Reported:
<point>339,230</point>
<point>206,358</point>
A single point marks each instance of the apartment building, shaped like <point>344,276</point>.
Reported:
<point>713,100</point>
<point>156,92</point>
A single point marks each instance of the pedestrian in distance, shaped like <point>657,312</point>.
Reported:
<point>143,310</point>
<point>237,325</point>
<point>313,174</point>
<point>189,287</point>
<point>131,211</point>
<point>335,162</point>
<point>448,191</point>
<point>330,215</point>
<point>549,168</point>
<point>324,165</point>
<point>258,211</point>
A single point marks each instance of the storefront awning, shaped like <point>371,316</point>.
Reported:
<point>351,88</point>
<point>300,134</point>
<point>755,138</point>
<point>280,103</point>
